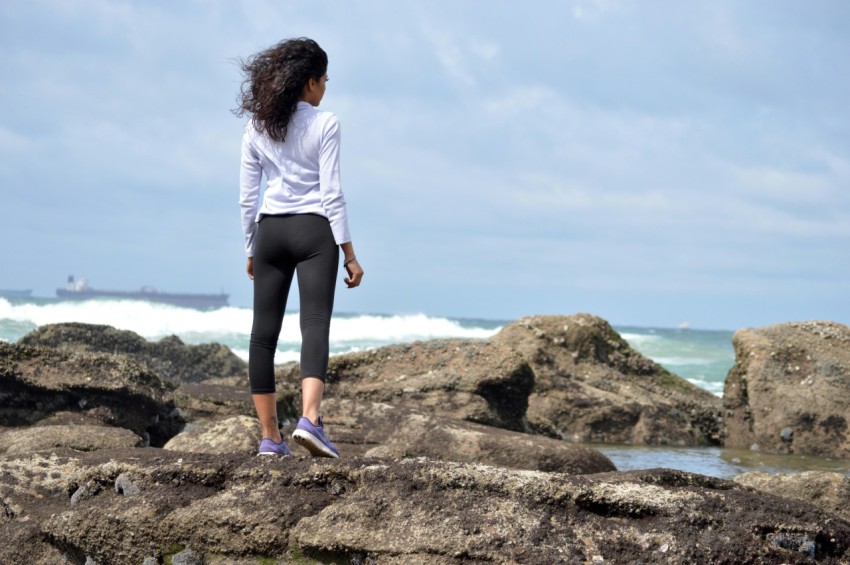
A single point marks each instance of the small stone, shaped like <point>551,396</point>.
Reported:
<point>150,561</point>
<point>793,541</point>
<point>787,434</point>
<point>755,447</point>
<point>187,557</point>
<point>808,547</point>
<point>123,485</point>
<point>78,495</point>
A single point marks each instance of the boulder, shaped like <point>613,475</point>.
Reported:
<point>153,504</point>
<point>207,401</point>
<point>591,386</point>
<point>789,390</point>
<point>374,429</point>
<point>461,379</point>
<point>94,417</point>
<point>169,358</point>
<point>36,382</point>
<point>203,401</point>
<point>827,490</point>
<point>81,438</point>
<point>239,434</point>
<point>567,377</point>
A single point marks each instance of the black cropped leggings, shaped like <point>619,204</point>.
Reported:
<point>285,245</point>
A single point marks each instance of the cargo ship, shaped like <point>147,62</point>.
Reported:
<point>8,293</point>
<point>78,289</point>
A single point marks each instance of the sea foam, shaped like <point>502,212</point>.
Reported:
<point>154,321</point>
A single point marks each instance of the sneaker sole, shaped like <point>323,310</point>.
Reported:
<point>274,454</point>
<point>312,444</point>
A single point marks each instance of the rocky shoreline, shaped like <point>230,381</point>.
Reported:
<point>118,450</point>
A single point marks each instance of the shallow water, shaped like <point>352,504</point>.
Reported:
<point>716,461</point>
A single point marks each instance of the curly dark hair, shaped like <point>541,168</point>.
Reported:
<point>274,81</point>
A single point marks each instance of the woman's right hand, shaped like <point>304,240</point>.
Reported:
<point>249,267</point>
<point>355,273</point>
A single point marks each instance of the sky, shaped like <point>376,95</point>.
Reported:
<point>649,162</point>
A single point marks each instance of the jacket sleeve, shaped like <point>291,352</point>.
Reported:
<point>250,177</point>
<point>333,200</point>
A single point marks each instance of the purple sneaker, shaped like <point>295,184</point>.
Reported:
<point>269,447</point>
<point>314,439</point>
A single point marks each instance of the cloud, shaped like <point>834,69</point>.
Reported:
<point>12,142</point>
<point>512,102</point>
<point>787,187</point>
<point>563,145</point>
<point>465,58</point>
<point>592,9</point>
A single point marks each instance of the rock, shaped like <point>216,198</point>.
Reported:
<point>22,543</point>
<point>187,557</point>
<point>789,390</point>
<point>240,434</point>
<point>87,416</point>
<point>169,358</point>
<point>241,508</point>
<point>124,485</point>
<point>590,386</point>
<point>569,377</point>
<point>81,438</point>
<point>361,427</point>
<point>827,490</point>
<point>462,379</point>
<point>36,382</point>
<point>202,401</point>
<point>85,491</point>
<point>29,488</point>
<point>205,401</point>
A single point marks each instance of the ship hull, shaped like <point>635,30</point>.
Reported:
<point>177,299</point>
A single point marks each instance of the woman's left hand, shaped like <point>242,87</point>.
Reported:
<point>355,273</point>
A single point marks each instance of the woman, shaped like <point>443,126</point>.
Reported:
<point>298,227</point>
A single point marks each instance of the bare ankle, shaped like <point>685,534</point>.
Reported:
<point>271,431</point>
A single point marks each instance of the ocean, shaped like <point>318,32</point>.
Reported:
<point>701,356</point>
